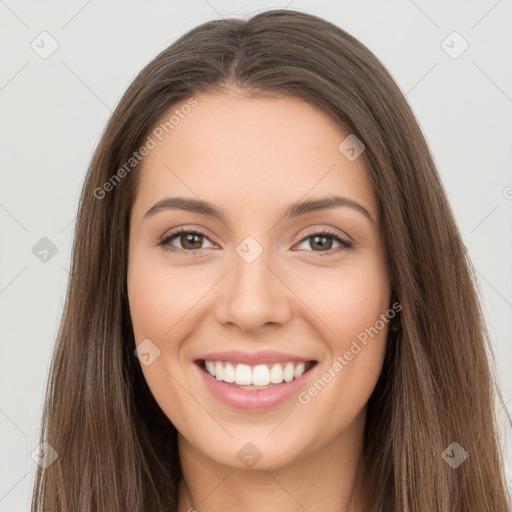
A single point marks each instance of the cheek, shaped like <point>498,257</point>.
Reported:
<point>159,298</point>
<point>352,304</point>
<point>348,301</point>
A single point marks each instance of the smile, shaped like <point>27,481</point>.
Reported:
<point>259,376</point>
<point>254,387</point>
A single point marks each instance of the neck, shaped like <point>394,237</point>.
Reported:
<point>329,478</point>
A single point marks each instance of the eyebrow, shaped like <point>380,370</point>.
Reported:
<point>294,210</point>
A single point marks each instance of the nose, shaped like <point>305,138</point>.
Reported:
<point>253,295</point>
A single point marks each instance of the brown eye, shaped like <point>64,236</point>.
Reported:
<point>190,240</point>
<point>187,240</point>
<point>323,243</point>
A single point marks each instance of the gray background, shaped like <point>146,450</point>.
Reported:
<point>54,109</point>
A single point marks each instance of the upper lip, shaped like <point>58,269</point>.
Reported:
<point>254,358</point>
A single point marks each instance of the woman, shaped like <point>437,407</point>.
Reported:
<point>270,306</point>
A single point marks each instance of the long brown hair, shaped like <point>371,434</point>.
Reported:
<point>117,451</point>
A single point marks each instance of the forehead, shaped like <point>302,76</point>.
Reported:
<point>250,152</point>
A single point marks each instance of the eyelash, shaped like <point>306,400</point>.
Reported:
<point>344,244</point>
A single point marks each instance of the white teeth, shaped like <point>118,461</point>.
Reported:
<point>259,375</point>
<point>288,372</point>
<point>219,371</point>
<point>299,370</point>
<point>276,374</point>
<point>229,373</point>
<point>210,366</point>
<point>243,374</point>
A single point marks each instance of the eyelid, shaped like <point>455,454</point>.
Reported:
<point>317,229</point>
<point>164,241</point>
<point>344,240</point>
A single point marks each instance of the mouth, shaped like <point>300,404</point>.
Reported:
<point>255,387</point>
<point>254,377</point>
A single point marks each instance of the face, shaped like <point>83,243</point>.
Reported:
<point>253,286</point>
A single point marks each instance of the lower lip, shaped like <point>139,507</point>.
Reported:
<point>253,399</point>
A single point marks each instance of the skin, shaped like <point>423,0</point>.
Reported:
<point>253,157</point>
